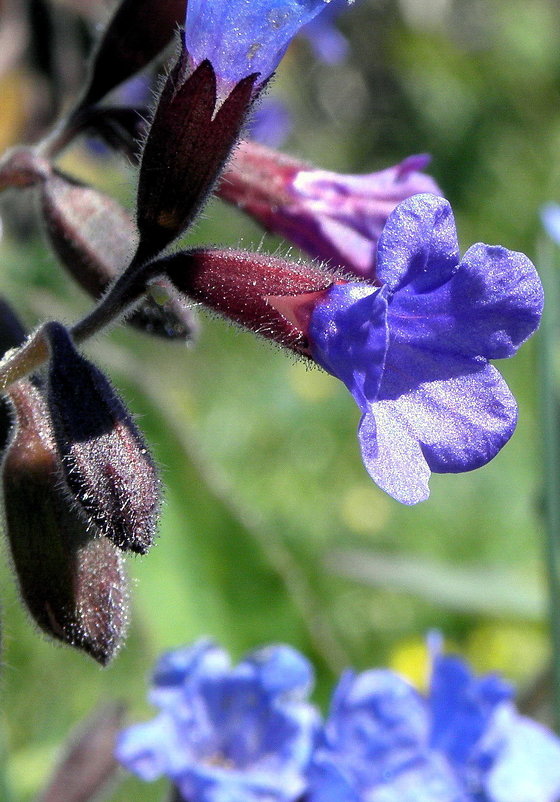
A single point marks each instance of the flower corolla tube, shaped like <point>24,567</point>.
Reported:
<point>243,37</point>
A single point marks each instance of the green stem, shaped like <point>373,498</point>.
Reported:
<point>550,415</point>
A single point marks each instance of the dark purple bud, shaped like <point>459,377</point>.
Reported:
<point>94,238</point>
<point>105,459</point>
<point>88,763</point>
<point>244,287</point>
<point>190,138</point>
<point>71,579</point>
<point>138,32</point>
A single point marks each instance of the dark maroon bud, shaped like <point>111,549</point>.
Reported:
<point>190,138</point>
<point>105,459</point>
<point>88,761</point>
<point>71,579</point>
<point>138,32</point>
<point>94,238</point>
<point>243,287</point>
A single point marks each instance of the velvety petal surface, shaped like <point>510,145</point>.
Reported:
<point>242,37</point>
<point>348,335</point>
<point>491,305</point>
<point>459,409</point>
<point>418,249</point>
<point>392,455</point>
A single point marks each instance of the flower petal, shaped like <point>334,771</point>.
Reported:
<point>348,337</point>
<point>418,249</point>
<point>528,765</point>
<point>462,707</point>
<point>491,305</point>
<point>147,749</point>
<point>392,457</point>
<point>459,409</point>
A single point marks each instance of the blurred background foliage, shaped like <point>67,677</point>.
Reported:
<point>272,530</point>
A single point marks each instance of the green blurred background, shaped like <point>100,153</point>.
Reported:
<point>272,530</point>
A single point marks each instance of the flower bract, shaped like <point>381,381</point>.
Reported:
<point>413,347</point>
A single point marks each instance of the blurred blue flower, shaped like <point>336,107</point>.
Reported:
<point>384,742</point>
<point>271,123</point>
<point>327,42</point>
<point>227,734</point>
<point>414,350</point>
<point>550,216</point>
<point>242,37</point>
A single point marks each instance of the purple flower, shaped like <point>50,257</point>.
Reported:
<point>242,37</point>
<point>384,742</point>
<point>345,214</point>
<point>227,734</point>
<point>336,218</point>
<point>414,348</point>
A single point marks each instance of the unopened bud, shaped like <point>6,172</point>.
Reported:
<point>94,238</point>
<point>105,459</point>
<point>71,579</point>
<point>138,32</point>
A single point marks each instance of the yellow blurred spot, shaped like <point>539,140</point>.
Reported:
<point>12,108</point>
<point>311,385</point>
<point>410,659</point>
<point>364,509</point>
<point>516,650</point>
<point>29,768</point>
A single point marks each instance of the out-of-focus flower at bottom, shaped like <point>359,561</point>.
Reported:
<point>464,742</point>
<point>227,734</point>
<point>248,734</point>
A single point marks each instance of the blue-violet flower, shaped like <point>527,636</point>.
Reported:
<point>242,37</point>
<point>414,348</point>
<point>466,742</point>
<point>227,734</point>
